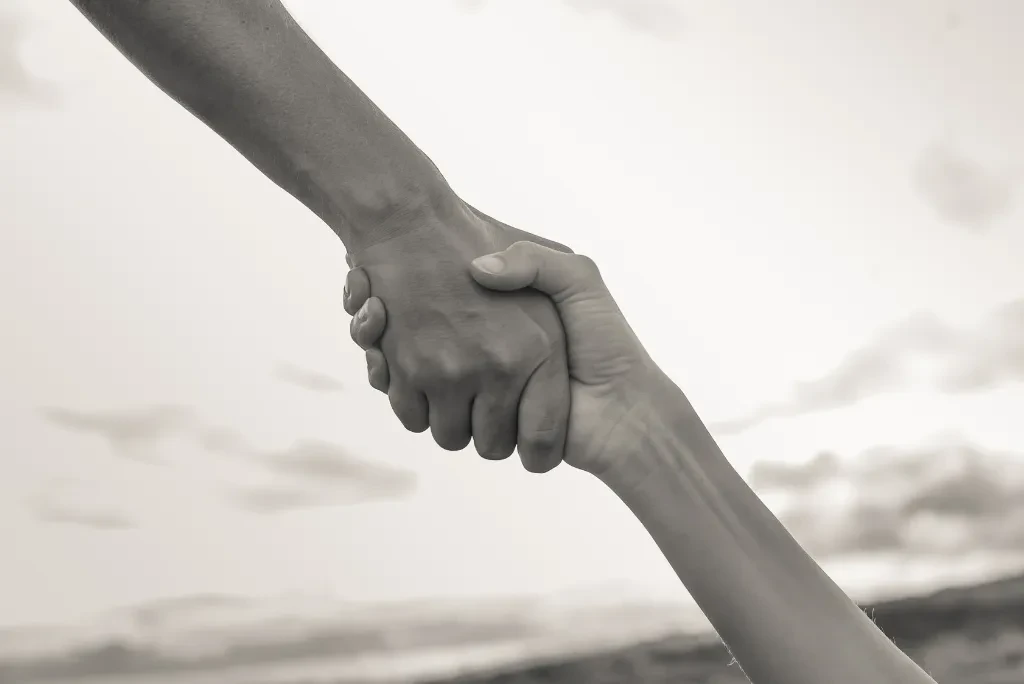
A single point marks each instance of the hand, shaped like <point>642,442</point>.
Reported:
<point>464,361</point>
<point>611,374</point>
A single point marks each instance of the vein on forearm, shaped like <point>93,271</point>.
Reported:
<point>782,617</point>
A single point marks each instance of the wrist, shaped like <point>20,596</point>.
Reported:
<point>660,427</point>
<point>394,208</point>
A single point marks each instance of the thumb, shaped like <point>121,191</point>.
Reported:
<point>557,274</point>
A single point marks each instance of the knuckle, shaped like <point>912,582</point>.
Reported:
<point>354,332</point>
<point>346,299</point>
<point>503,361</point>
<point>357,289</point>
<point>363,312</point>
<point>367,334</point>
<point>449,369</point>
<point>375,312</point>
<point>542,441</point>
<point>444,367</point>
<point>587,266</point>
<point>408,361</point>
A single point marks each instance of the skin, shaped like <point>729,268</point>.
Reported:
<point>608,367</point>
<point>252,75</point>
<point>492,368</point>
<point>784,620</point>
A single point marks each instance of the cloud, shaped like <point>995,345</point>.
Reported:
<point>270,499</point>
<point>983,357</point>
<point>306,474</point>
<point>126,431</point>
<point>322,461</point>
<point>311,380</point>
<point>167,610</point>
<point>97,519</point>
<point>58,505</point>
<point>661,18</point>
<point>191,639</point>
<point>222,440</point>
<point>770,475</point>
<point>960,189</point>
<point>129,431</point>
<point>941,499</point>
<point>316,473</point>
<point>17,83</point>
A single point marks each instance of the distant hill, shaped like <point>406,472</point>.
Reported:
<point>960,635</point>
<point>252,641</point>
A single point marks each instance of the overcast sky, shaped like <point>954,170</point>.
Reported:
<point>809,212</point>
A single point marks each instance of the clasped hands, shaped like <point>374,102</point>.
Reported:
<point>477,330</point>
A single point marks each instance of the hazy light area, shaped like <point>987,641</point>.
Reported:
<point>808,211</point>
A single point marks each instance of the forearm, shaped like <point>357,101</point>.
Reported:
<point>248,70</point>
<point>782,617</point>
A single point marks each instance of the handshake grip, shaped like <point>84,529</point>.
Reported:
<point>463,361</point>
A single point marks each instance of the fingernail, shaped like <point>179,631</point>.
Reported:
<point>490,263</point>
<point>362,313</point>
<point>344,293</point>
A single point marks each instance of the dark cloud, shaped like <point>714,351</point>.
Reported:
<point>94,519</point>
<point>277,499</point>
<point>129,431</point>
<point>126,431</point>
<point>312,380</point>
<point>60,503</point>
<point>661,18</point>
<point>163,611</point>
<point>16,82</point>
<point>308,473</point>
<point>315,473</point>
<point>325,462</point>
<point>770,475</point>
<point>960,189</point>
<point>865,529</point>
<point>989,355</point>
<point>946,499</point>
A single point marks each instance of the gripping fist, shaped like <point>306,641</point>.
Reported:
<point>464,361</point>
<point>611,374</point>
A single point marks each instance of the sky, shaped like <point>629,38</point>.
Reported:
<point>810,213</point>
